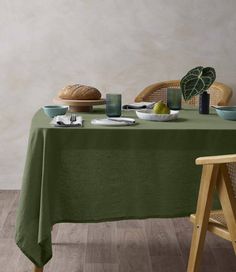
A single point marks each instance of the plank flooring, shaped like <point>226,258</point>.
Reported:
<point>152,245</point>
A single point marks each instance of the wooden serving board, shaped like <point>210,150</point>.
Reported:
<point>79,105</point>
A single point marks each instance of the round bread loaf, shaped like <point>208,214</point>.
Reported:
<point>79,92</point>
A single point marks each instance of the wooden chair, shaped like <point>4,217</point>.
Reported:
<point>218,174</point>
<point>220,94</point>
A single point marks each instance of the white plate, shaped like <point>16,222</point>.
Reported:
<point>147,114</point>
<point>114,121</point>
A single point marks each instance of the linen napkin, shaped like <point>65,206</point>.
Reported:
<point>114,121</point>
<point>139,105</point>
<point>65,121</point>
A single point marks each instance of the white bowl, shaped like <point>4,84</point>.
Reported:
<point>147,114</point>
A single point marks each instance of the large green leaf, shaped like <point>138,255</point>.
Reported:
<point>196,81</point>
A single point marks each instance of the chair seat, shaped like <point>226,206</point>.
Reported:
<point>217,224</point>
<point>216,217</point>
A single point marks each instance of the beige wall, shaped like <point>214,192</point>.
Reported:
<point>115,45</point>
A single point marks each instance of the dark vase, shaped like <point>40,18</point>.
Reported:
<point>204,101</point>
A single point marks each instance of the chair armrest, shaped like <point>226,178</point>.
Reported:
<point>216,159</point>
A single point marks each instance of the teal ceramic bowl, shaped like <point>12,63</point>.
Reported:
<point>227,112</point>
<point>54,110</point>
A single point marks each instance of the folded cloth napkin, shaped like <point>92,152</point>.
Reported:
<point>139,105</point>
<point>65,121</point>
<point>113,121</point>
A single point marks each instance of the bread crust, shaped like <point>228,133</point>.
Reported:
<point>79,92</point>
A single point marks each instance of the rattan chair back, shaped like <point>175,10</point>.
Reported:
<point>220,93</point>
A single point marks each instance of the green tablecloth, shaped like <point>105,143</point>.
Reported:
<point>93,174</point>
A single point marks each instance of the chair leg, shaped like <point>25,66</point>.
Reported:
<point>207,185</point>
<point>38,269</point>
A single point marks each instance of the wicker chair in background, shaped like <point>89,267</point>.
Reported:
<point>220,93</point>
<point>218,174</point>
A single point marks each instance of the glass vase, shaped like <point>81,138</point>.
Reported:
<point>204,102</point>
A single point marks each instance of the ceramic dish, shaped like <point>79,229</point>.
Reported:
<point>226,112</point>
<point>54,110</point>
<point>148,114</point>
<point>114,121</point>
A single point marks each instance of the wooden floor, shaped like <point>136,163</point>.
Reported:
<point>124,246</point>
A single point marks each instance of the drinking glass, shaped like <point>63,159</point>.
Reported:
<point>113,105</point>
<point>174,97</point>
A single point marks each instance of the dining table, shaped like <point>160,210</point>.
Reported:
<point>98,173</point>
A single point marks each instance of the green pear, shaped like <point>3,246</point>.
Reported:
<point>161,108</point>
